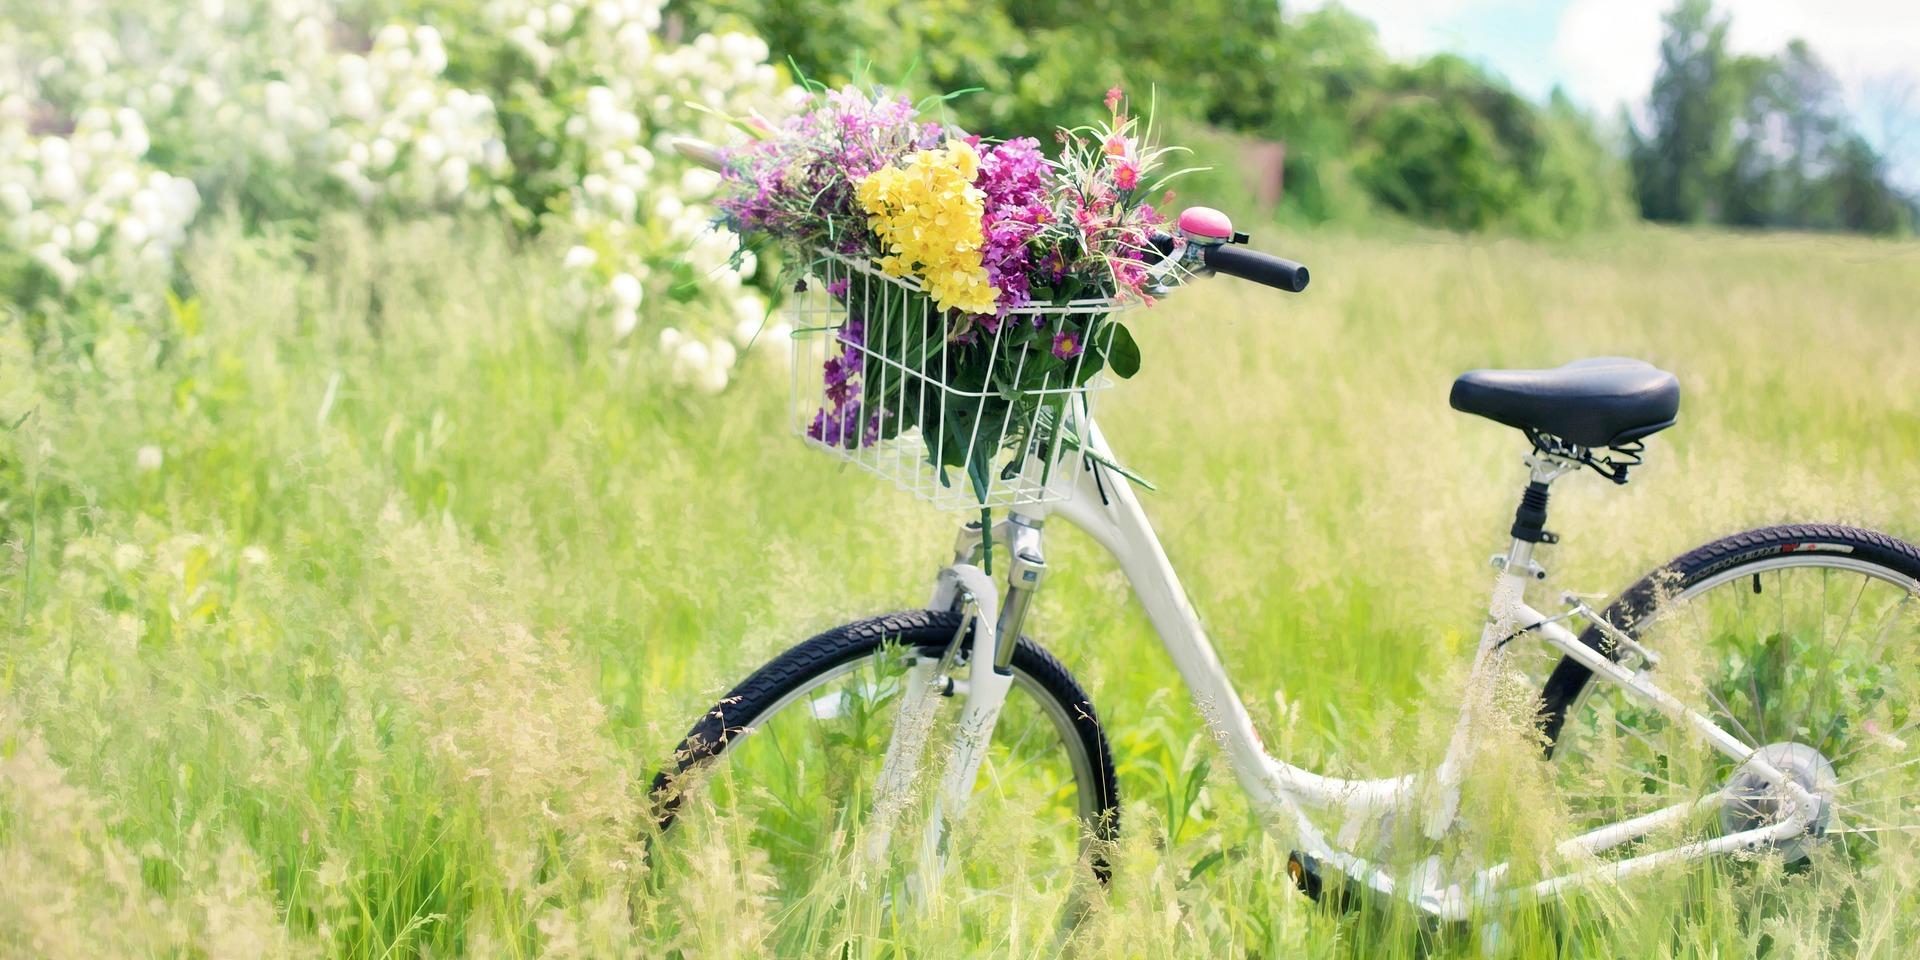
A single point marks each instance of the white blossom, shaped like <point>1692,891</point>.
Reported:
<point>268,89</point>
<point>626,290</point>
<point>624,320</point>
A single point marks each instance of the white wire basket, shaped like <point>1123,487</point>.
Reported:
<point>964,413</point>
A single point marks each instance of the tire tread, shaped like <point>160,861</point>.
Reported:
<point>836,647</point>
<point>1631,609</point>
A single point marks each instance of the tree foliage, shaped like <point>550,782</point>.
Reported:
<point>1743,140</point>
<point>1756,141</point>
<point>1439,141</point>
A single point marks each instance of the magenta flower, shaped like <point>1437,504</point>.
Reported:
<point>1013,175</point>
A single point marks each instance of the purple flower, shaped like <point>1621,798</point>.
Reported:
<point>853,333</point>
<point>841,425</point>
<point>840,373</point>
<point>1067,344</point>
<point>1013,175</point>
<point>1053,265</point>
<point>797,185</point>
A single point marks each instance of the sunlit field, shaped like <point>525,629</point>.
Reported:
<point>351,602</point>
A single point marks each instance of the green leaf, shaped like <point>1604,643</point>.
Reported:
<point>1204,864</point>
<point>742,124</point>
<point>980,471</point>
<point>1123,355</point>
<point>185,313</point>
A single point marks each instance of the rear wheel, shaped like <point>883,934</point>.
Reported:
<point>784,768</point>
<point>1803,642</point>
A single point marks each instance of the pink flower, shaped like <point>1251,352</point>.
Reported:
<point>1119,146</point>
<point>1113,99</point>
<point>1126,176</point>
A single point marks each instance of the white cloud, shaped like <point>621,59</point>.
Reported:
<point>1605,52</point>
<point>1408,28</point>
<point>1608,50</point>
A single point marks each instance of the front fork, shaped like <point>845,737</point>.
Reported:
<point>996,623</point>
<point>1019,535</point>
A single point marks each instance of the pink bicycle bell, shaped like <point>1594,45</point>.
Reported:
<point>1205,226</point>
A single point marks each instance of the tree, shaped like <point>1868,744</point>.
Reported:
<point>1691,113</point>
<point>1755,141</point>
<point>1862,197</point>
<point>1437,140</point>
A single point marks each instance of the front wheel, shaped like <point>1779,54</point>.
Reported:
<point>784,769</point>
<point>1803,642</point>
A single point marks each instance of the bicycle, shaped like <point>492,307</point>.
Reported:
<point>1784,738</point>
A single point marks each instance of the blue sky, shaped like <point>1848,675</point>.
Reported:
<point>1604,52</point>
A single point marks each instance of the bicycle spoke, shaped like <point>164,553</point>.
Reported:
<point>1883,770</point>
<point>1738,727</point>
<point>1638,773</point>
<point>1895,735</point>
<point>1817,663</point>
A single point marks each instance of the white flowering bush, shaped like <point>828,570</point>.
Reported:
<point>399,133</point>
<point>198,74</point>
<point>85,208</point>
<point>647,241</point>
<point>118,116</point>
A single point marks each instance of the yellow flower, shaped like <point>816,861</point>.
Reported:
<point>927,215</point>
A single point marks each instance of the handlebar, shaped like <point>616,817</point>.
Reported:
<point>1276,272</point>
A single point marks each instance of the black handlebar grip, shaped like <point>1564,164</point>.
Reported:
<point>1259,267</point>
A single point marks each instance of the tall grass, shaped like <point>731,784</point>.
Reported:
<point>372,652</point>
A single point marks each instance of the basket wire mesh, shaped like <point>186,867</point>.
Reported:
<point>885,380</point>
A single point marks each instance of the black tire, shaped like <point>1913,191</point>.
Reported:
<point>1635,609</point>
<point>927,630</point>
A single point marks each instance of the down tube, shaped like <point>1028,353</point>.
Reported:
<point>1108,510</point>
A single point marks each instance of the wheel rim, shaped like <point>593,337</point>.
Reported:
<point>1823,655</point>
<point>793,796</point>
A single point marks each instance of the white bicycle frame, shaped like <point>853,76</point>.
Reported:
<point>1284,795</point>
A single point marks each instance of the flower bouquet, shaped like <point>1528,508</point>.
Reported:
<point>965,291</point>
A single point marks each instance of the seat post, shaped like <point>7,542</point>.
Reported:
<point>1530,518</point>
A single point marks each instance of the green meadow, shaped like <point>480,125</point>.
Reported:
<point>351,601</point>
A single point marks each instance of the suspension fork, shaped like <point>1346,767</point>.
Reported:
<point>996,630</point>
<point>1020,534</point>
